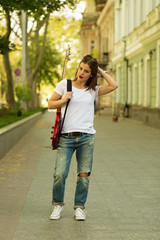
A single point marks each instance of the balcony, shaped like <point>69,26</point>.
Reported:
<point>104,60</point>
<point>89,18</point>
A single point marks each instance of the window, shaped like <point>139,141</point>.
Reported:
<point>127,18</point>
<point>137,15</point>
<point>147,82</point>
<point>118,25</point>
<point>132,12</point>
<point>129,85</point>
<point>135,84</point>
<point>143,10</point>
<point>157,2</point>
<point>153,4</point>
<point>105,45</point>
<point>140,97</point>
<point>92,47</point>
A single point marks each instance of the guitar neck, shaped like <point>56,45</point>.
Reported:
<point>65,62</point>
<point>64,69</point>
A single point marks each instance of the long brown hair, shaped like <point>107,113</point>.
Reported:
<point>93,64</point>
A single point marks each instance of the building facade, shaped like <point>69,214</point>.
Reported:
<point>124,35</point>
<point>137,59</point>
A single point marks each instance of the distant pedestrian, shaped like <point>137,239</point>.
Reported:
<point>78,132</point>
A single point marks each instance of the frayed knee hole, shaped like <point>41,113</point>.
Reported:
<point>84,174</point>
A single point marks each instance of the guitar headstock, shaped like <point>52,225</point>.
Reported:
<point>68,53</point>
<point>67,58</point>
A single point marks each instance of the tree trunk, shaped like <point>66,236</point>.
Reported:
<point>29,77</point>
<point>35,94</point>
<point>10,90</point>
<point>32,73</point>
<point>33,102</point>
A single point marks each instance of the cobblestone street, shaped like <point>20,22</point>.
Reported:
<point>124,194</point>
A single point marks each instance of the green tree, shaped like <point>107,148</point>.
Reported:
<point>48,72</point>
<point>5,48</point>
<point>23,93</point>
<point>37,34</point>
<point>40,12</point>
<point>6,8</point>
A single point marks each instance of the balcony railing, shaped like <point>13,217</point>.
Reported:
<point>104,60</point>
<point>89,18</point>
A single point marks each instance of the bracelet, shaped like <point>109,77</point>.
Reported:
<point>103,73</point>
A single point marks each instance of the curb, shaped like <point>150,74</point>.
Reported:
<point>12,133</point>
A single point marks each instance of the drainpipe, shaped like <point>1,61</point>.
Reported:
<point>151,56</point>
<point>126,106</point>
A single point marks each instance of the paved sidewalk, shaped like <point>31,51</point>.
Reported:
<point>124,194</point>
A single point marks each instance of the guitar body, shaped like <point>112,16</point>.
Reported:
<point>56,130</point>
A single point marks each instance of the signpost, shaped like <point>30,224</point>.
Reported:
<point>18,73</point>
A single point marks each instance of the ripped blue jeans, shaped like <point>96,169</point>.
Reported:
<point>84,146</point>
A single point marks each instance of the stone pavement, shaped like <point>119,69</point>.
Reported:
<point>124,194</point>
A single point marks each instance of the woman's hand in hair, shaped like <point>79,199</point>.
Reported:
<point>111,83</point>
<point>100,71</point>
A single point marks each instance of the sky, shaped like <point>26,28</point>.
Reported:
<point>77,13</point>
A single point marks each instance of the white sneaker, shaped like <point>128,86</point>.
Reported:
<point>80,214</point>
<point>56,214</point>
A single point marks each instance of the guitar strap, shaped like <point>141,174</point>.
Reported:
<point>69,89</point>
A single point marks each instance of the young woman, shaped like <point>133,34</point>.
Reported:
<point>78,132</point>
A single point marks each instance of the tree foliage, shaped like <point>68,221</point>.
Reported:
<point>48,72</point>
<point>39,11</point>
<point>35,6</point>
<point>66,31</point>
<point>23,93</point>
<point>6,45</point>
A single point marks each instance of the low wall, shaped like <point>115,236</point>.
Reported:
<point>146,115</point>
<point>12,133</point>
<point>149,116</point>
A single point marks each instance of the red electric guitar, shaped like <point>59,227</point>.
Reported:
<point>58,121</point>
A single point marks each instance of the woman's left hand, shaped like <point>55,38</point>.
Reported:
<point>100,71</point>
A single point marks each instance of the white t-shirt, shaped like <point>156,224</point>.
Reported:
<point>80,112</point>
